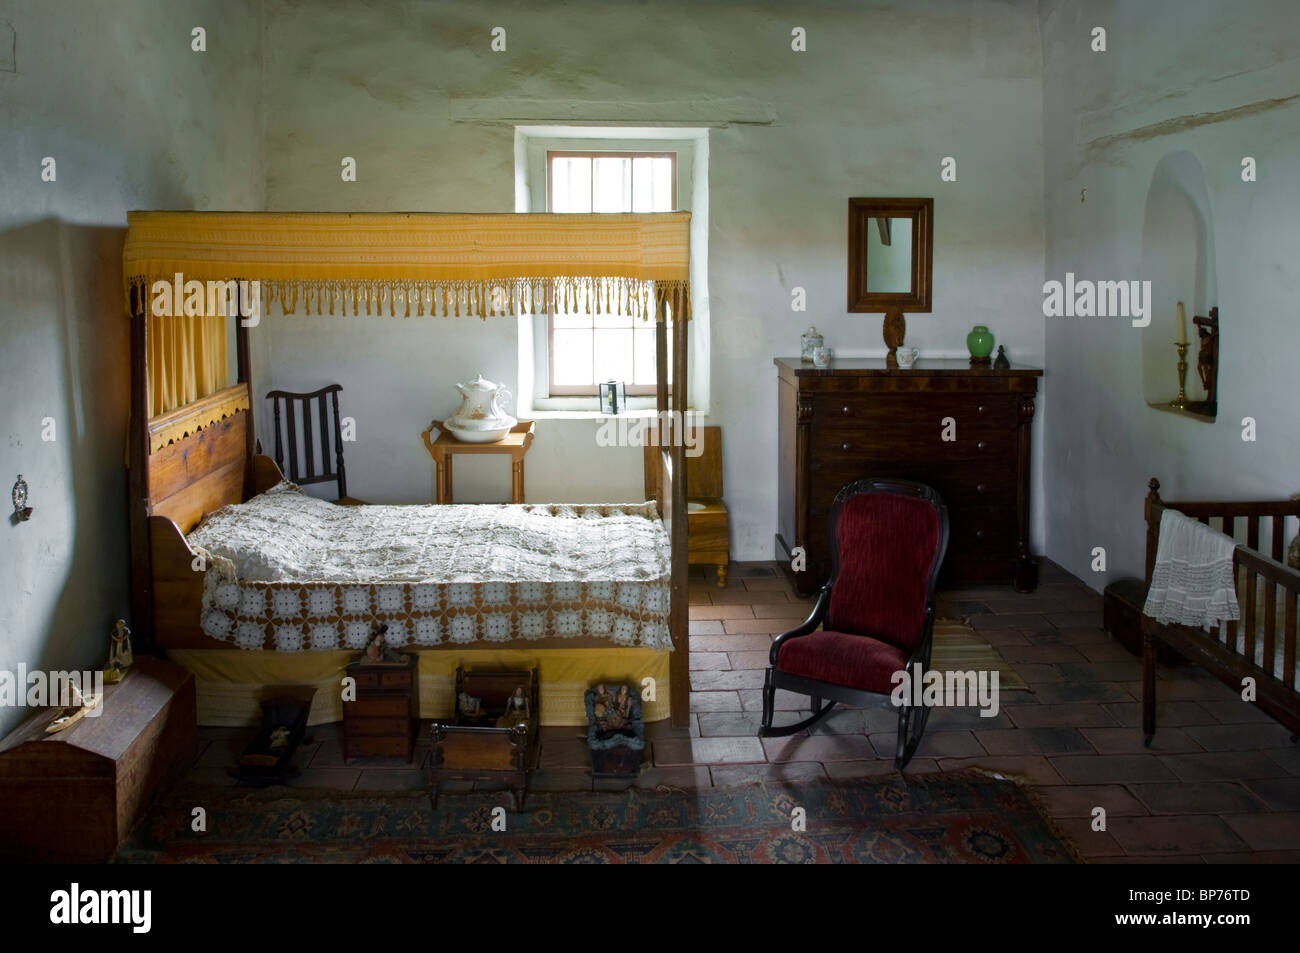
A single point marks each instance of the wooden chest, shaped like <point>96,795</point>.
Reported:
<point>961,430</point>
<point>382,719</point>
<point>73,796</point>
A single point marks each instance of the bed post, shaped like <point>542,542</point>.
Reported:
<point>679,668</point>
<point>1153,508</point>
<point>245,376</point>
<point>138,476</point>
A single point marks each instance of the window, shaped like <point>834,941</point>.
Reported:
<point>585,349</point>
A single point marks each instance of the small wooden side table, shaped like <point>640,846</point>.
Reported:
<point>515,443</point>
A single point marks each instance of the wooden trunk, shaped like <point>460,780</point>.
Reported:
<point>73,796</point>
<point>961,430</point>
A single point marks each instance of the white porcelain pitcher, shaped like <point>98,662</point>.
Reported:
<point>480,418</point>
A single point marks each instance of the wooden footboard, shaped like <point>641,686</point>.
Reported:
<point>1268,593</point>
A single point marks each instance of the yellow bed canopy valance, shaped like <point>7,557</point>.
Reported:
<point>418,263</point>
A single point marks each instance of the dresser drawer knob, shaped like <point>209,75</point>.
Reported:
<point>845,447</point>
<point>979,487</point>
<point>979,534</point>
<point>980,408</point>
<point>980,445</point>
<point>846,410</point>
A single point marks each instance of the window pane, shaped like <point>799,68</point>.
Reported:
<point>613,355</point>
<point>645,355</point>
<point>571,184</point>
<point>572,358</point>
<point>652,184</point>
<point>612,320</point>
<point>612,178</point>
<point>572,321</point>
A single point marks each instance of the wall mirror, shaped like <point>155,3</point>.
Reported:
<point>890,254</point>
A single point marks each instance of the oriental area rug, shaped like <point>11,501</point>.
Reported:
<point>958,818</point>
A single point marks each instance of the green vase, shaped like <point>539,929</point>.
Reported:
<point>980,341</point>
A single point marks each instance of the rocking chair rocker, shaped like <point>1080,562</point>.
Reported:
<point>875,615</point>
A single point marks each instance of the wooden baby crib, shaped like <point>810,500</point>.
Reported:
<point>1267,591</point>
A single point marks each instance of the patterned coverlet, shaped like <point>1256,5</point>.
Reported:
<point>289,572</point>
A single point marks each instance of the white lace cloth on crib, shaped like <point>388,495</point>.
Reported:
<point>1192,583</point>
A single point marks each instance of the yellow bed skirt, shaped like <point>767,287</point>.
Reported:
<point>231,683</point>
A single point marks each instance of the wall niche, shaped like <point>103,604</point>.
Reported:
<point>1178,259</point>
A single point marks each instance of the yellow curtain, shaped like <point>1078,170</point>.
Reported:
<point>423,263</point>
<point>187,359</point>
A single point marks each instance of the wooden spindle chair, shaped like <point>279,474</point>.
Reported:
<point>311,460</point>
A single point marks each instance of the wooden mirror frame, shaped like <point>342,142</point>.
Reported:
<point>861,212</point>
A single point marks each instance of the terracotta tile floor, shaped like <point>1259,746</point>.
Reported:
<point>1220,784</point>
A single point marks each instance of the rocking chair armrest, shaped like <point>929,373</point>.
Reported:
<point>808,626</point>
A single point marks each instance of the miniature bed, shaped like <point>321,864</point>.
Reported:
<point>193,451</point>
<point>1262,644</point>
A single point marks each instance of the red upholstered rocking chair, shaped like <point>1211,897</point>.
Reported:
<point>875,615</point>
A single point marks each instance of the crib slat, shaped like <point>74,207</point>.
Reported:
<point>1270,623</point>
<point>1229,525</point>
<point>1279,528</point>
<point>1248,620</point>
<point>1288,637</point>
<point>1252,532</point>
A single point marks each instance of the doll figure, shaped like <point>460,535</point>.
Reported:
<point>120,655</point>
<point>516,712</point>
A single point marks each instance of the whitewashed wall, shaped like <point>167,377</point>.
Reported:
<point>134,119</point>
<point>883,93</point>
<point>1222,82</point>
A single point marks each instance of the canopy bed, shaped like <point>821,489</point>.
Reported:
<point>249,583</point>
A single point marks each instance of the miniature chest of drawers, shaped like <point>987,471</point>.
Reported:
<point>381,721</point>
<point>962,430</point>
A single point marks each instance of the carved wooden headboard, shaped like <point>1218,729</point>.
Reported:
<point>198,457</point>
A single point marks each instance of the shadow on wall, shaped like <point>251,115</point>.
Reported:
<point>1178,259</point>
<point>66,376</point>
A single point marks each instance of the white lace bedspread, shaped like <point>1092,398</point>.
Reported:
<point>290,572</point>
<point>1192,583</point>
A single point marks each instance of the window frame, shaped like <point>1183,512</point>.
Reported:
<point>593,390</point>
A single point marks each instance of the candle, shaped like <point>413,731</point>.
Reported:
<point>1182,324</point>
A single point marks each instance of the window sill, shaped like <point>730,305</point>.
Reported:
<point>639,413</point>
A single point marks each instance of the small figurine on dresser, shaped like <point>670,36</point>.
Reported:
<point>1001,362</point>
<point>516,712</point>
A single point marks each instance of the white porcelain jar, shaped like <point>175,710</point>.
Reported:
<point>810,341</point>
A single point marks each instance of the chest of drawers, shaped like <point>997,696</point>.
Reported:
<point>961,430</point>
<point>381,720</point>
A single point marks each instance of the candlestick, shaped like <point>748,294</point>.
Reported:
<point>1180,402</point>
<point>1182,324</point>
